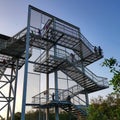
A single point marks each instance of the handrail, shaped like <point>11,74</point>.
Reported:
<point>59,26</point>
<point>72,94</point>
<point>66,55</point>
<point>5,62</point>
<point>99,80</point>
<point>59,52</point>
<point>18,35</point>
<point>86,42</point>
<point>25,29</point>
<point>41,57</point>
<point>66,29</point>
<point>4,57</point>
<point>73,32</point>
<point>74,90</point>
<point>14,38</point>
<point>41,98</point>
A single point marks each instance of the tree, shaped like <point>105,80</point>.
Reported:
<point>40,115</point>
<point>105,109</point>
<point>114,68</point>
<point>1,118</point>
<point>17,116</point>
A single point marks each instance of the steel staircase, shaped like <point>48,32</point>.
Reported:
<point>75,110</point>
<point>60,34</point>
<point>72,92</point>
<point>87,52</point>
<point>77,42</point>
<point>81,75</point>
<point>54,33</point>
<point>88,80</point>
<point>76,107</point>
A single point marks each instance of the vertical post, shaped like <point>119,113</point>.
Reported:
<point>15,89</point>
<point>86,93</point>
<point>56,90</point>
<point>47,81</point>
<point>56,81</point>
<point>26,66</point>
<point>83,70</point>
<point>69,113</point>
<point>10,89</point>
<point>40,112</point>
<point>87,99</point>
<point>56,96</point>
<point>47,97</point>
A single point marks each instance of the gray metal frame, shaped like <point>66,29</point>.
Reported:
<point>10,83</point>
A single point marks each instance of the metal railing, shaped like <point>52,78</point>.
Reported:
<point>68,30</point>
<point>41,98</point>
<point>59,53</point>
<point>4,57</point>
<point>63,28</point>
<point>71,32</point>
<point>67,56</point>
<point>97,79</point>
<point>5,61</point>
<point>86,42</point>
<point>72,91</point>
<point>13,39</point>
<point>47,95</point>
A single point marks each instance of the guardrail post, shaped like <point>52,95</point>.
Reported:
<point>87,99</point>
<point>56,79</point>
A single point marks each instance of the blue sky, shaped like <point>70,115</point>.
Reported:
<point>99,21</point>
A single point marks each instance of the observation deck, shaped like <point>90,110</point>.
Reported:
<point>57,33</point>
<point>11,49</point>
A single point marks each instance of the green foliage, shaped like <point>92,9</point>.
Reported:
<point>114,67</point>
<point>1,118</point>
<point>40,115</point>
<point>105,109</point>
<point>32,115</point>
<point>66,116</point>
<point>17,116</point>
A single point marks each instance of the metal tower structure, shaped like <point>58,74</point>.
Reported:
<point>63,49</point>
<point>12,55</point>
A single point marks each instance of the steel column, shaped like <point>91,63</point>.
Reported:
<point>10,90</point>
<point>15,88</point>
<point>26,66</point>
<point>47,96</point>
<point>56,90</point>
